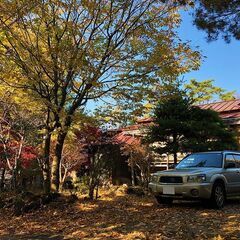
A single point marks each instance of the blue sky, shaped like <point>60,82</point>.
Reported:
<point>222,62</point>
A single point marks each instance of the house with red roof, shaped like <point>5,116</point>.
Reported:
<point>229,111</point>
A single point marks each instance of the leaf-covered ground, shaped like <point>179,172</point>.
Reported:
<point>120,216</point>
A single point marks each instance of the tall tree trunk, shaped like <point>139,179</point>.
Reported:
<point>56,161</point>
<point>46,164</point>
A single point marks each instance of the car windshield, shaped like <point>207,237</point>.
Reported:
<point>201,160</point>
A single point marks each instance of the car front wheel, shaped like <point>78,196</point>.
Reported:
<point>218,195</point>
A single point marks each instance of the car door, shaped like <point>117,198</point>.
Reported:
<point>232,174</point>
<point>237,160</point>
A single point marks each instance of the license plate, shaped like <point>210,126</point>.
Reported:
<point>168,190</point>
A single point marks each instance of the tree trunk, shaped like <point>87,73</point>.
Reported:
<point>148,173</point>
<point>62,178</point>
<point>92,188</point>
<point>2,180</point>
<point>14,178</point>
<point>46,164</point>
<point>176,148</point>
<point>175,158</point>
<point>92,177</point>
<point>132,171</point>
<point>97,190</point>
<point>15,171</point>
<point>91,193</point>
<point>56,161</point>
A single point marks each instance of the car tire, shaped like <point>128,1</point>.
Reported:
<point>164,200</point>
<point>218,196</point>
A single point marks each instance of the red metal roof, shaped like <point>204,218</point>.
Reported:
<point>224,106</point>
<point>226,109</point>
<point>230,115</point>
<point>123,138</point>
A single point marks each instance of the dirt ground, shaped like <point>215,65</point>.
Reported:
<point>119,216</point>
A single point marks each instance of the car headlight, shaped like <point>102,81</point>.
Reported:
<point>197,178</point>
<point>154,178</point>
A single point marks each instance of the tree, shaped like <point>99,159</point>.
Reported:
<point>218,17</point>
<point>99,152</point>
<point>73,156</point>
<point>209,133</point>
<point>205,91</point>
<point>23,106</point>
<point>180,127</point>
<point>18,130</point>
<point>70,52</point>
<point>100,166</point>
<point>139,159</point>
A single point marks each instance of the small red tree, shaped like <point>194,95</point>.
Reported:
<point>98,148</point>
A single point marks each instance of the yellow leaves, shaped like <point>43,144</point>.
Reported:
<point>89,4</point>
<point>96,48</point>
<point>17,96</point>
<point>149,105</point>
<point>204,91</point>
<point>107,119</point>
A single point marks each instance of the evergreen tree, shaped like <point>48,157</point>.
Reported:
<point>219,17</point>
<point>180,127</point>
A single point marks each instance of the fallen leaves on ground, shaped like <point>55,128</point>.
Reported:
<point>119,216</point>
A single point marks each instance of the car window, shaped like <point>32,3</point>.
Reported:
<point>237,159</point>
<point>229,159</point>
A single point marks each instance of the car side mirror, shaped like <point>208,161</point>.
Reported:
<point>230,165</point>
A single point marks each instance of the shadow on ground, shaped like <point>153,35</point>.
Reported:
<point>32,237</point>
<point>125,217</point>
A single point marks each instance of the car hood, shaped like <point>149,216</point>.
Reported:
<point>188,171</point>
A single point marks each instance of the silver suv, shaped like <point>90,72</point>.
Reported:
<point>212,176</point>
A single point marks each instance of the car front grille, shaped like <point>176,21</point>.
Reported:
<point>170,179</point>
